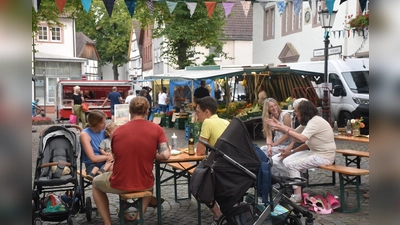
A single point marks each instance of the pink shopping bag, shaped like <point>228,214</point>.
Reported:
<point>72,119</point>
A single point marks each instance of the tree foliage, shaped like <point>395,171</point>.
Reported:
<point>182,32</point>
<point>111,34</point>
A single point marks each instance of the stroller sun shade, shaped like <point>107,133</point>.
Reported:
<point>231,183</point>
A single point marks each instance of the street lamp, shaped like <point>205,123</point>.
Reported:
<point>327,20</point>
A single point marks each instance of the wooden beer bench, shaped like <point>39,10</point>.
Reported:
<point>182,169</point>
<point>137,203</point>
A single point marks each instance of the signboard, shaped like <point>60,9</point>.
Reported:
<point>121,114</point>
<point>331,51</point>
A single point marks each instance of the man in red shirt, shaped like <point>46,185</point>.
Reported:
<point>135,145</point>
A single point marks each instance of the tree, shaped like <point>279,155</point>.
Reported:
<point>111,34</point>
<point>183,32</point>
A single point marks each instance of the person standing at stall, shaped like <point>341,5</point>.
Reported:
<point>77,100</point>
<point>115,98</point>
<point>178,99</point>
<point>262,95</point>
<point>201,91</point>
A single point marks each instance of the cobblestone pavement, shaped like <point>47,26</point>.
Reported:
<point>185,211</point>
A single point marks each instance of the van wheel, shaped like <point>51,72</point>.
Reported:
<point>344,116</point>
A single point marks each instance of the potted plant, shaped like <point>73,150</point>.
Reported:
<point>358,23</point>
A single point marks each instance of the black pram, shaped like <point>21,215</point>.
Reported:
<point>239,165</point>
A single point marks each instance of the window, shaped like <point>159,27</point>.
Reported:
<point>269,23</point>
<point>56,34</point>
<point>42,34</point>
<point>292,23</point>
<point>316,22</point>
<point>217,55</point>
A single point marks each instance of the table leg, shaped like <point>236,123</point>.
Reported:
<point>158,193</point>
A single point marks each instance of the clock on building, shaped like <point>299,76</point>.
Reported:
<point>307,16</point>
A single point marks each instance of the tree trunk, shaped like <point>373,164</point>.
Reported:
<point>115,72</point>
<point>182,56</point>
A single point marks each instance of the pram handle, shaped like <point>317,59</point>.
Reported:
<point>66,126</point>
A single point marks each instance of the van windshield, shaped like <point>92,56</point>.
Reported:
<point>358,81</point>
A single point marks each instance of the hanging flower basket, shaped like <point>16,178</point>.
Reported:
<point>358,23</point>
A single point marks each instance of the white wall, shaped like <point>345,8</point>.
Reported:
<point>66,47</point>
<point>107,73</point>
<point>267,52</point>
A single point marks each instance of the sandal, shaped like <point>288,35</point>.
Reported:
<point>155,205</point>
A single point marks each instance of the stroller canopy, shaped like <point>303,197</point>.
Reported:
<point>231,183</point>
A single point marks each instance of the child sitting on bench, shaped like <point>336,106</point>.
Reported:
<point>105,148</point>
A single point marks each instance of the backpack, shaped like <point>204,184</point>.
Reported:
<point>202,182</point>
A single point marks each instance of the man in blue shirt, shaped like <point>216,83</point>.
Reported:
<point>115,98</point>
<point>34,107</point>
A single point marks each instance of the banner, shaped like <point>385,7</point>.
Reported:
<point>298,5</point>
<point>61,4</point>
<point>86,4</point>
<point>246,7</point>
<point>329,5</point>
<point>210,8</point>
<point>131,5</point>
<point>228,8</point>
<point>109,4</point>
<point>191,6</point>
<point>171,6</point>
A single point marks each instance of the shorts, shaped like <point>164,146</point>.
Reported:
<point>90,166</point>
<point>102,182</point>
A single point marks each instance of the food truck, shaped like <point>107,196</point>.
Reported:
<point>94,92</point>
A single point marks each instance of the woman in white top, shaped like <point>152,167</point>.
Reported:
<point>163,100</point>
<point>271,109</point>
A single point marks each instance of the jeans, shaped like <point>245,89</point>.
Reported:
<point>163,108</point>
<point>34,112</point>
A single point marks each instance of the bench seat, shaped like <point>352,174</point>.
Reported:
<point>347,176</point>
<point>350,152</point>
<point>137,203</point>
<point>183,166</point>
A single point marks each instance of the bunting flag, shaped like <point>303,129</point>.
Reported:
<point>86,4</point>
<point>171,6</point>
<point>150,5</point>
<point>34,4</point>
<point>329,5</point>
<point>341,1</point>
<point>298,5</point>
<point>109,4</point>
<point>363,4</point>
<point>281,7</point>
<point>228,7</point>
<point>191,6</point>
<point>38,4</point>
<point>61,4</point>
<point>210,8</point>
<point>246,7</point>
<point>263,4</point>
<point>131,5</point>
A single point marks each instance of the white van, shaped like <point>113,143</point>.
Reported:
<point>349,80</point>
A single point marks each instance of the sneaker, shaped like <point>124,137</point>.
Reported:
<point>90,176</point>
<point>215,221</point>
<point>296,199</point>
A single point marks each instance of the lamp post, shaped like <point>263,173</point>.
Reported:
<point>44,90</point>
<point>327,20</point>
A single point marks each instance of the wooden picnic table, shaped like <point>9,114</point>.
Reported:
<point>361,138</point>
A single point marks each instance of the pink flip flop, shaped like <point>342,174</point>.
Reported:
<point>321,205</point>
<point>332,201</point>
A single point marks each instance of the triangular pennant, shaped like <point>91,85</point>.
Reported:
<point>171,6</point>
<point>263,4</point>
<point>354,32</point>
<point>313,6</point>
<point>38,4</point>
<point>281,6</point>
<point>341,1</point>
<point>348,33</point>
<point>329,5</point>
<point>191,6</point>
<point>334,33</point>
<point>109,4</point>
<point>34,4</point>
<point>86,4</point>
<point>363,4</point>
<point>210,8</point>
<point>150,5</point>
<point>131,5</point>
<point>297,4</point>
<point>246,6</point>
<point>228,8</point>
<point>61,4</point>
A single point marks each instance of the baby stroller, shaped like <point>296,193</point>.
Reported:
<point>238,166</point>
<point>56,193</point>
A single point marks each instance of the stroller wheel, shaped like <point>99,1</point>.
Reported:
<point>88,209</point>
<point>71,220</point>
<point>293,220</point>
<point>37,221</point>
<point>33,212</point>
